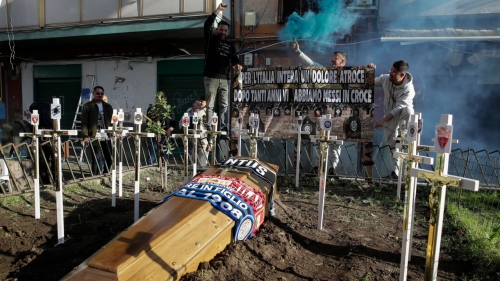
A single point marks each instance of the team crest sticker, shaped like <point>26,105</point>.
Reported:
<point>307,128</point>
<point>137,118</point>
<point>214,120</point>
<point>114,119</point>
<point>55,110</point>
<point>412,132</point>
<point>328,124</point>
<point>185,121</point>
<point>121,116</point>
<point>34,119</point>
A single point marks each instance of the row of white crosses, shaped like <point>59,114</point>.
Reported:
<point>325,140</point>
<point>439,180</point>
<point>55,135</point>
<point>195,136</point>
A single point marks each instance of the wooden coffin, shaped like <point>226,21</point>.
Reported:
<point>176,236</point>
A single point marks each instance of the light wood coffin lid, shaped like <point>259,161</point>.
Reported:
<point>171,240</point>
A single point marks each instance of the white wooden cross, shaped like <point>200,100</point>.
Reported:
<point>185,138</point>
<point>197,134</point>
<point>114,132</point>
<point>299,133</point>
<point>402,146</point>
<point>124,131</point>
<point>214,133</point>
<point>240,131</point>
<point>55,134</point>
<point>411,158</point>
<point>254,134</point>
<point>137,140</point>
<point>439,180</point>
<point>325,140</point>
<point>35,121</point>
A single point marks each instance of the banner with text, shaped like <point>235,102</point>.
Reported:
<point>280,95</point>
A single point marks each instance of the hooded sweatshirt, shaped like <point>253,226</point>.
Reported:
<point>396,98</point>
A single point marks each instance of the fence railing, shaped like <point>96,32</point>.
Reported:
<point>480,165</point>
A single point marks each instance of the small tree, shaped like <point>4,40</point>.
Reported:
<point>156,115</point>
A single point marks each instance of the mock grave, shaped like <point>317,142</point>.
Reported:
<point>226,203</point>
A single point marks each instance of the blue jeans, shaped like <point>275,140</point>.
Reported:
<point>213,88</point>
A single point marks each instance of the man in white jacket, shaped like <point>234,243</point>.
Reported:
<point>398,105</point>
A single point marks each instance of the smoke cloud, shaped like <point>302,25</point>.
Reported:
<point>450,77</point>
<point>324,28</point>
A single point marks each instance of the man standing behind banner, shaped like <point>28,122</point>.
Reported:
<point>338,59</point>
<point>220,55</point>
<point>398,105</point>
<point>96,115</point>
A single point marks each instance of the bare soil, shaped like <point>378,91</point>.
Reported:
<point>360,239</point>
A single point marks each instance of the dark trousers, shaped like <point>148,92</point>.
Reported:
<point>99,146</point>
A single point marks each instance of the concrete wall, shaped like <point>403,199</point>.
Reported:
<point>129,84</point>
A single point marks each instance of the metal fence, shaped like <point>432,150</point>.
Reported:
<point>17,165</point>
<point>480,165</point>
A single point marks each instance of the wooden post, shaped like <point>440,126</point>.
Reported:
<point>324,140</point>
<point>115,133</point>
<point>240,131</point>
<point>185,139</point>
<point>55,134</point>
<point>411,159</point>
<point>137,140</point>
<point>35,120</point>
<point>253,135</point>
<point>439,180</point>
<point>299,133</point>
<point>124,131</point>
<point>214,133</point>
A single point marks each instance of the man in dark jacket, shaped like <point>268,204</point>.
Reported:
<point>220,55</point>
<point>96,115</point>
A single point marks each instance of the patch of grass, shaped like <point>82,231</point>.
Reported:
<point>74,189</point>
<point>12,201</point>
<point>477,238</point>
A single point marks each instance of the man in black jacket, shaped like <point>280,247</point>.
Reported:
<point>220,55</point>
<point>96,115</point>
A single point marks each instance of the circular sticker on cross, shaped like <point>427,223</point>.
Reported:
<point>121,116</point>
<point>412,132</point>
<point>215,120</point>
<point>195,118</point>
<point>137,118</point>
<point>185,121</point>
<point>327,124</point>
